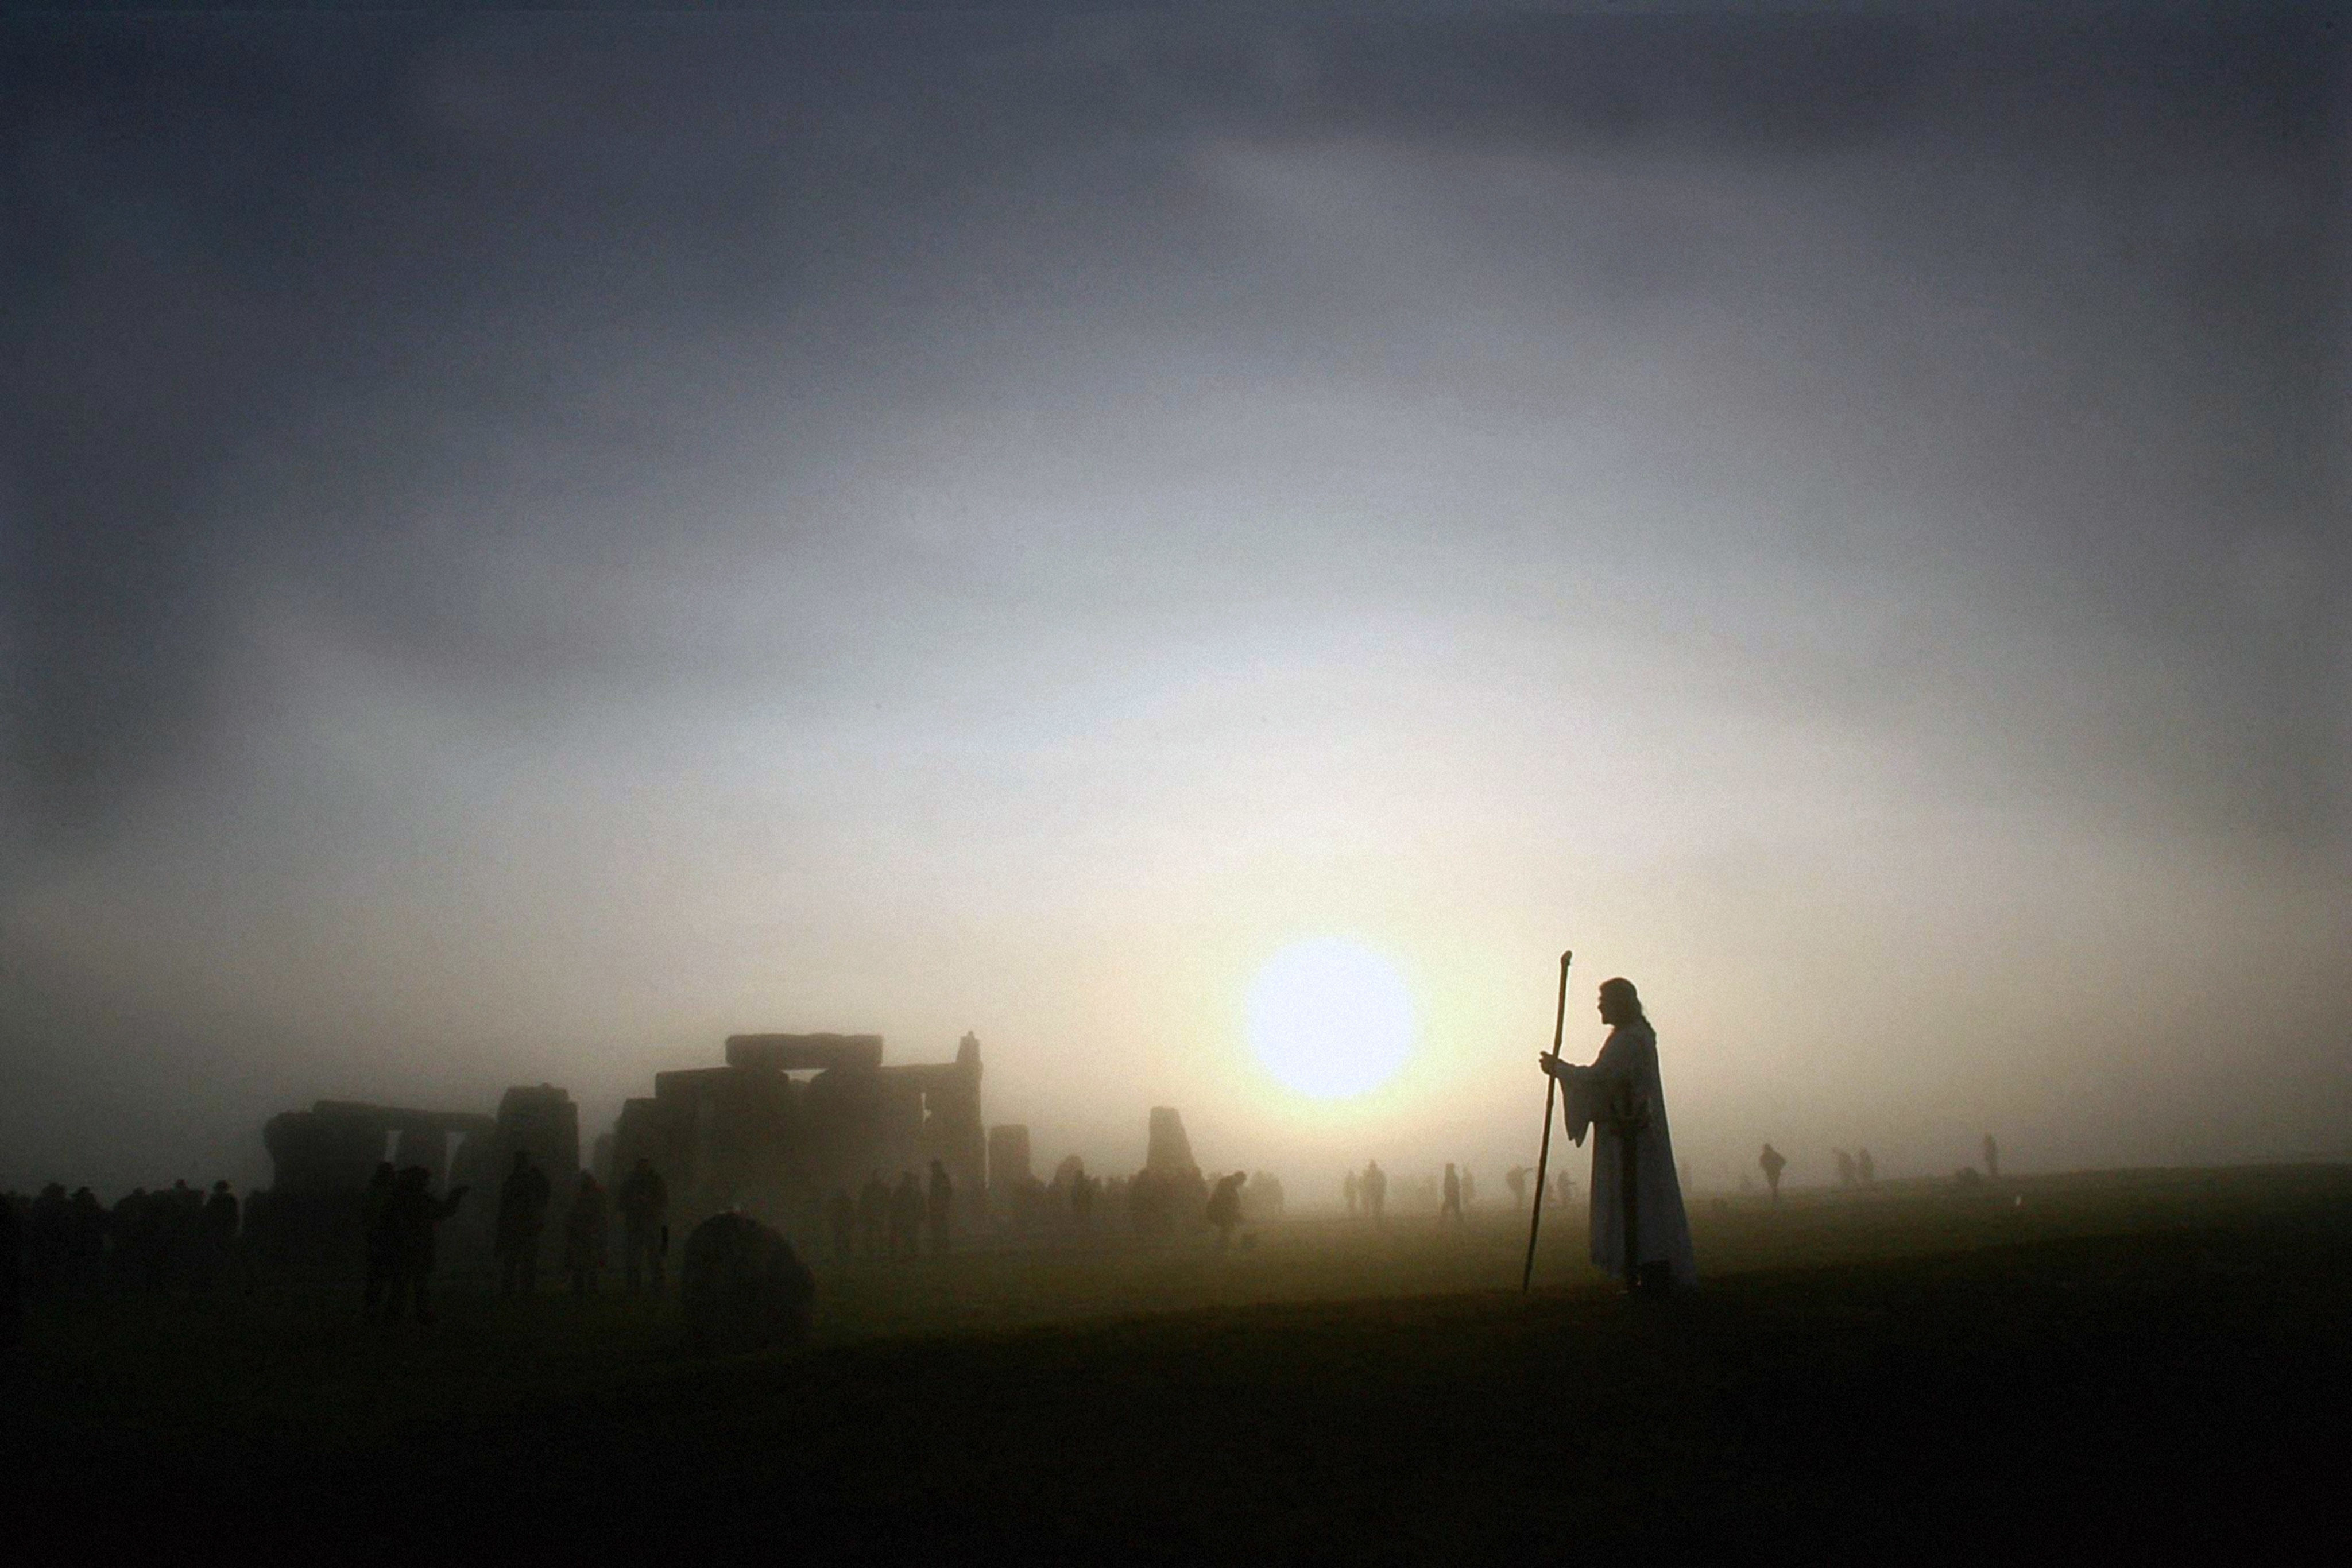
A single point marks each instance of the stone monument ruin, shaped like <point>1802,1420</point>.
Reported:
<point>792,1117</point>
<point>1168,1193</point>
<point>323,1158</point>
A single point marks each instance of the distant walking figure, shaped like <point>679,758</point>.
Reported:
<point>1774,1163</point>
<point>1453,1203</point>
<point>1516,1178</point>
<point>1639,1229</point>
<point>643,1203</point>
<point>1225,1207</point>
<point>1374,1186</point>
<point>411,1218</point>
<point>1992,1157</point>
<point>375,1223</point>
<point>522,1215</point>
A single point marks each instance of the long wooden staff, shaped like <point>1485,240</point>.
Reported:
<point>1543,1157</point>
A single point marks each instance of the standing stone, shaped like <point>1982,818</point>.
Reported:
<point>743,1288</point>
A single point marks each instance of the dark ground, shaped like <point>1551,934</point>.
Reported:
<point>2097,1365</point>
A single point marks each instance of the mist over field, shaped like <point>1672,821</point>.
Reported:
<point>529,545</point>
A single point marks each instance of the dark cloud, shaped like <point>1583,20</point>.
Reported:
<point>484,268</point>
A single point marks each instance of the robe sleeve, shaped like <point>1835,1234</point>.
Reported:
<point>1584,1099</point>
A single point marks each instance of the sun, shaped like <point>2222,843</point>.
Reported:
<point>1329,1019</point>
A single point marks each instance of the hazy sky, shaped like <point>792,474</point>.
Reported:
<point>532,545</point>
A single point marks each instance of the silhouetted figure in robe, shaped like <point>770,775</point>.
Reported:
<point>906,1216</point>
<point>585,1227</point>
<point>1992,1157</point>
<point>1226,1206</point>
<point>413,1216</point>
<point>938,1209</point>
<point>1453,1201</point>
<point>1773,1163</point>
<point>874,1216</point>
<point>1375,1188</point>
<point>841,1219</point>
<point>1516,1178</point>
<point>522,1215</point>
<point>643,1203</point>
<point>1621,1100</point>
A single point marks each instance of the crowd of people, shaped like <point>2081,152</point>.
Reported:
<point>175,1238</point>
<point>889,1222</point>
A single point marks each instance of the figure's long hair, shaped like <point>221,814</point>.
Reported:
<point>1622,990</point>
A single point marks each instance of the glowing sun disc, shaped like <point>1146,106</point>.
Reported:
<point>1329,1019</point>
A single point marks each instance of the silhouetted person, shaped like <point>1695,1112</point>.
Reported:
<point>1992,1157</point>
<point>413,1216</point>
<point>1347,1191</point>
<point>586,1226</point>
<point>643,1203</point>
<point>376,1228</point>
<point>841,1219</point>
<point>138,1238</point>
<point>86,1226</point>
<point>1226,1206</point>
<point>1375,1188</point>
<point>1864,1168</point>
<point>1516,1178</point>
<point>1452,1203</point>
<point>13,1227</point>
<point>1773,1163</point>
<point>222,1253</point>
<point>522,1215</point>
<point>46,1232</point>
<point>906,1216</point>
<point>1638,1228</point>
<point>186,1254</point>
<point>939,1212</point>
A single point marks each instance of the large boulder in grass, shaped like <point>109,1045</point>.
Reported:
<point>744,1287</point>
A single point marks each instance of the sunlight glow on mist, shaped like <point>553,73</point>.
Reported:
<point>1330,1019</point>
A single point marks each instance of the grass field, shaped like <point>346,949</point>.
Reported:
<point>2087,1365</point>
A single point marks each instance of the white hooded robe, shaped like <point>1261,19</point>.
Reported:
<point>1628,1062</point>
